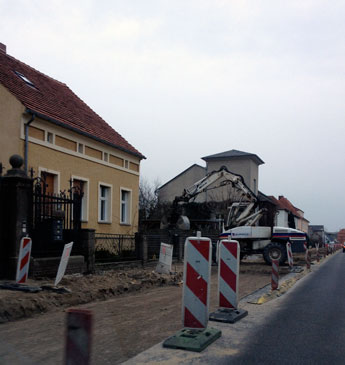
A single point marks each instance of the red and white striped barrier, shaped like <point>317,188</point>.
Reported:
<point>275,275</point>
<point>289,255</point>
<point>23,260</point>
<point>228,273</point>
<point>317,252</point>
<point>307,256</point>
<point>78,337</point>
<point>196,282</point>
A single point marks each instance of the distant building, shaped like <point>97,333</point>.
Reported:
<point>341,236</point>
<point>239,162</point>
<point>186,178</point>
<point>331,237</point>
<point>317,234</point>
<point>288,215</point>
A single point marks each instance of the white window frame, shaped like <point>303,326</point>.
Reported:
<point>128,220</point>
<point>85,198</point>
<point>56,179</point>
<point>109,200</point>
<point>81,148</point>
<point>47,135</point>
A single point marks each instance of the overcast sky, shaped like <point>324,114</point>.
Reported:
<point>183,79</point>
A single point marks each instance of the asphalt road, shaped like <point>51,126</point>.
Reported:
<point>309,327</point>
<point>306,325</point>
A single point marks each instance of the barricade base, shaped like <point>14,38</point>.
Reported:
<point>192,339</point>
<point>228,315</point>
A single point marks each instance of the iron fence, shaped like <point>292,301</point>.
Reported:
<point>114,247</point>
<point>64,207</point>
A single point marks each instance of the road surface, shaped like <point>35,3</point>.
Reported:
<point>309,327</point>
<point>304,326</point>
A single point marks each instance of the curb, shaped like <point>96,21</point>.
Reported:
<point>288,283</point>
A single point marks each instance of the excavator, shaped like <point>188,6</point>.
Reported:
<point>242,218</point>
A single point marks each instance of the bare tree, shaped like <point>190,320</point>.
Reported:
<point>148,198</point>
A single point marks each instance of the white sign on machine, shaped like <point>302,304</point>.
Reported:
<point>63,262</point>
<point>165,259</point>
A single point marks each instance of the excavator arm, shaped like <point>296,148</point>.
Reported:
<point>230,178</point>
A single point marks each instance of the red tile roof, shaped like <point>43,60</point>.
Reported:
<point>55,101</point>
<point>284,203</point>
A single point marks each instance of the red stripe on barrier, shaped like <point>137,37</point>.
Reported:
<point>26,241</point>
<point>190,320</point>
<point>232,249</point>
<point>202,247</point>
<point>24,260</point>
<point>196,284</point>
<point>223,302</point>
<point>23,279</point>
<point>227,275</point>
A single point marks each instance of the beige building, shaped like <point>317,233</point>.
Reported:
<point>65,142</point>
<point>238,162</point>
<point>186,178</point>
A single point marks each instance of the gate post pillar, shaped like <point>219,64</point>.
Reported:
<point>181,243</point>
<point>87,238</point>
<point>144,249</point>
<point>15,215</point>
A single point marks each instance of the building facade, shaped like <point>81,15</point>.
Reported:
<point>238,162</point>
<point>65,143</point>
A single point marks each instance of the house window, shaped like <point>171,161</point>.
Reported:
<point>104,203</point>
<point>25,79</point>
<point>126,164</point>
<point>49,137</point>
<point>105,157</point>
<point>80,148</point>
<point>81,187</point>
<point>125,206</point>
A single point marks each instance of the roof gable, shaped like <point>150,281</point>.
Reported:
<point>234,154</point>
<point>194,166</point>
<point>55,101</point>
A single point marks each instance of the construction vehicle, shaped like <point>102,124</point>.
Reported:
<point>242,218</point>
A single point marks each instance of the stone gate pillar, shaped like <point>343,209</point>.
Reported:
<point>15,215</point>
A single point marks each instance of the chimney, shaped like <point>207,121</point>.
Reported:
<point>2,48</point>
<point>280,197</point>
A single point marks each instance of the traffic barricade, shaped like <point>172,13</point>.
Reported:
<point>195,336</point>
<point>228,276</point>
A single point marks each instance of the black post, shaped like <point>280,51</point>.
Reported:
<point>15,215</point>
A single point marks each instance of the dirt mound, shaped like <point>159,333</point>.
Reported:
<point>84,289</point>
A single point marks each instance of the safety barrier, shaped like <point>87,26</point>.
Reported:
<point>289,255</point>
<point>78,337</point>
<point>275,275</point>
<point>23,260</point>
<point>317,252</point>
<point>228,275</point>
<point>196,296</point>
<point>307,256</point>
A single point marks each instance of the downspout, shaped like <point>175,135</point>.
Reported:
<point>26,151</point>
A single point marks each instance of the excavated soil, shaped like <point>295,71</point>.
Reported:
<point>15,305</point>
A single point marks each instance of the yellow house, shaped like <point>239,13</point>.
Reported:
<point>66,142</point>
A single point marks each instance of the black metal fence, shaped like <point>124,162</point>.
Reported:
<point>114,247</point>
<point>64,208</point>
